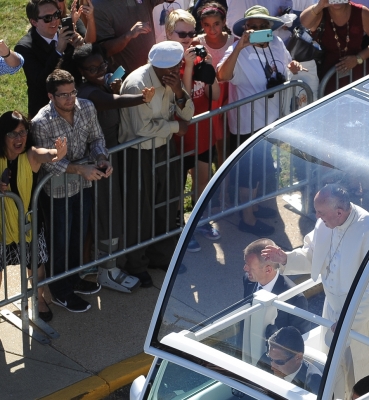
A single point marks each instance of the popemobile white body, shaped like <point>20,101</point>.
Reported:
<point>206,337</point>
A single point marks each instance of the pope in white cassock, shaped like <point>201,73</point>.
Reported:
<point>335,249</point>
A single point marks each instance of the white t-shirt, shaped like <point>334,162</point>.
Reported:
<point>301,5</point>
<point>249,78</point>
<point>237,8</point>
<point>160,11</point>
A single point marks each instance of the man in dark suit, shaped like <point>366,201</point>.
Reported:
<point>262,274</point>
<point>285,359</point>
<point>42,47</point>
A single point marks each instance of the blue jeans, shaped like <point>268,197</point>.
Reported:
<point>64,286</point>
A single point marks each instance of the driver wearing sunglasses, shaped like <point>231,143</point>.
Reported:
<point>285,359</point>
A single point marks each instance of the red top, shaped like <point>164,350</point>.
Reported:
<point>329,43</point>
<point>201,104</point>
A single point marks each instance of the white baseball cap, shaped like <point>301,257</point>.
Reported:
<point>166,54</point>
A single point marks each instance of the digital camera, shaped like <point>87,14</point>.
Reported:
<point>200,51</point>
<point>273,82</point>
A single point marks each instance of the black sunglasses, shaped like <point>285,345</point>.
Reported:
<point>49,17</point>
<point>280,362</point>
<point>182,35</point>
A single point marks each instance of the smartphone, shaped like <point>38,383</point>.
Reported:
<point>102,169</point>
<point>118,74</point>
<point>338,1</point>
<point>68,22</point>
<point>263,36</point>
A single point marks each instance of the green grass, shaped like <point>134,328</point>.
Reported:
<point>13,25</point>
<point>13,93</point>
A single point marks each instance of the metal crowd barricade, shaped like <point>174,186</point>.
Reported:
<point>113,254</point>
<point>20,299</point>
<point>338,76</point>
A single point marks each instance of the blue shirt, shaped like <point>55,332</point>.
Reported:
<point>6,69</point>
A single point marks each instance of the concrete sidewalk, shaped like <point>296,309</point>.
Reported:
<point>86,360</point>
<point>102,350</point>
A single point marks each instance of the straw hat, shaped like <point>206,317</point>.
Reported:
<point>256,12</point>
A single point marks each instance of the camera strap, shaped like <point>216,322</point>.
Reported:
<point>268,70</point>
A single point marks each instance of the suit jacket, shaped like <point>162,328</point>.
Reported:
<point>40,60</point>
<point>283,319</point>
<point>307,378</point>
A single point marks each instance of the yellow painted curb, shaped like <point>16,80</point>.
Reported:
<point>125,372</point>
<point>107,381</point>
<point>92,388</point>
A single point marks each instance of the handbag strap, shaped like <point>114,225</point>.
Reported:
<point>320,29</point>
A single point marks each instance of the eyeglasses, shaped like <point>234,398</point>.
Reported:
<point>258,27</point>
<point>94,70</point>
<point>49,17</point>
<point>73,93</point>
<point>14,134</point>
<point>182,35</point>
<point>280,362</point>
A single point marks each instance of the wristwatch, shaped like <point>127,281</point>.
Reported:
<point>359,59</point>
<point>182,100</point>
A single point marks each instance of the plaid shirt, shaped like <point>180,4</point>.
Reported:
<point>84,138</point>
<point>6,69</point>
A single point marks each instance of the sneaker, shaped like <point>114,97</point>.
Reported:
<point>193,246</point>
<point>86,287</point>
<point>144,277</point>
<point>259,229</point>
<point>72,303</point>
<point>209,231</point>
<point>88,271</point>
<point>265,212</point>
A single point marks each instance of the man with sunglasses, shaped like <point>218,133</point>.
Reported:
<point>264,274</point>
<point>42,48</point>
<point>285,359</point>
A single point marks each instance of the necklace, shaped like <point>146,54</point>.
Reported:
<point>344,51</point>
<point>328,267</point>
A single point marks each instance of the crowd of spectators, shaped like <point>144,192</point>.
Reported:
<point>69,96</point>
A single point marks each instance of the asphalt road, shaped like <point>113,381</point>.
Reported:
<point>120,394</point>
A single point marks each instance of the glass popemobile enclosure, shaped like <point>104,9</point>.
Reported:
<point>279,311</point>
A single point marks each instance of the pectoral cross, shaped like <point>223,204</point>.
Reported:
<point>328,268</point>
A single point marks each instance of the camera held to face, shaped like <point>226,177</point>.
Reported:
<point>273,82</point>
<point>200,51</point>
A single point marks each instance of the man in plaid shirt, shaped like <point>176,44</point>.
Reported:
<point>76,119</point>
